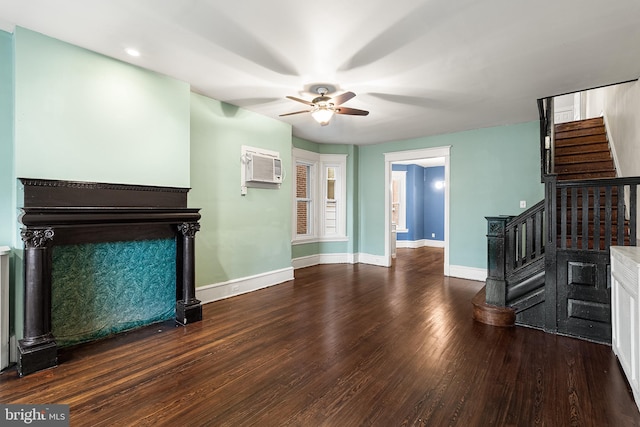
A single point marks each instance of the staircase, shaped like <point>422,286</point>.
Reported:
<point>549,266</point>
<point>582,150</point>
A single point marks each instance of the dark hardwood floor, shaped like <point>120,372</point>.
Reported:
<point>341,345</point>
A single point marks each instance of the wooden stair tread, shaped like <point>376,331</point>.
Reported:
<point>491,314</point>
<point>580,133</point>
<point>586,167</point>
<point>594,156</point>
<point>580,124</point>
<point>591,175</point>
<point>586,140</point>
<point>577,146</point>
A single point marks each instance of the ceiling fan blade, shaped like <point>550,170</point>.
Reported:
<point>300,100</point>
<point>296,112</point>
<point>342,98</point>
<point>351,111</point>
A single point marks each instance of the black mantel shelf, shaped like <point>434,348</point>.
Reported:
<point>67,212</point>
<point>74,216</point>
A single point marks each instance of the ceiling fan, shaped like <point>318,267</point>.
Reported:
<point>324,107</point>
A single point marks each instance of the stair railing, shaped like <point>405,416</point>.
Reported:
<point>525,239</point>
<point>514,245</point>
<point>596,214</point>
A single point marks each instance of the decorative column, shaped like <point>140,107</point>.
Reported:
<point>38,349</point>
<point>496,284</point>
<point>188,309</point>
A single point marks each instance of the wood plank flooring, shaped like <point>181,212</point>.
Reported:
<point>341,345</point>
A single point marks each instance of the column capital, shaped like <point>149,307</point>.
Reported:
<point>189,229</point>
<point>36,238</point>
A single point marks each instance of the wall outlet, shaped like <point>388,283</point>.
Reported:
<point>523,204</point>
<point>433,235</point>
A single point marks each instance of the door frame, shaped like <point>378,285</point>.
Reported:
<point>402,156</point>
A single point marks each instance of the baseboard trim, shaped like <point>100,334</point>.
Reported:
<point>414,244</point>
<point>379,260</point>
<point>471,273</point>
<point>311,260</point>
<point>342,258</point>
<point>218,291</point>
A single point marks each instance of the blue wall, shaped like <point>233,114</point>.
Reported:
<point>433,203</point>
<point>425,203</point>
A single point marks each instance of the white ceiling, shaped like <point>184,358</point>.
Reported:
<point>421,67</point>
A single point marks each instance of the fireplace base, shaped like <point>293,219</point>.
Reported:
<point>36,358</point>
<point>188,312</point>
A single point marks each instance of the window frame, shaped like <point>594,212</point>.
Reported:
<point>318,180</point>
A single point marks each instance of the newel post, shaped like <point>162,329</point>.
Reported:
<point>38,349</point>
<point>496,284</point>
<point>188,308</point>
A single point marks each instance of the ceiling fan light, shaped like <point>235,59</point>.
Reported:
<point>322,115</point>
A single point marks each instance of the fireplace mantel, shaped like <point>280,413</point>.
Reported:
<point>67,212</point>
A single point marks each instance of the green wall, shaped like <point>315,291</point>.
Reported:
<point>79,115</point>
<point>240,236</point>
<point>7,197</point>
<point>82,116</point>
<point>491,170</point>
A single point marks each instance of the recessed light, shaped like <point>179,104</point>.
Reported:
<point>132,52</point>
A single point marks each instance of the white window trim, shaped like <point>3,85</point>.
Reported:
<point>402,176</point>
<point>319,191</point>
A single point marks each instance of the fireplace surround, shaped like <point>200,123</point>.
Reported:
<point>57,212</point>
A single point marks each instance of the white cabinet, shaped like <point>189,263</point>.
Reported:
<point>625,284</point>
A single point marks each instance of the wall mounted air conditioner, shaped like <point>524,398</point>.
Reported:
<point>263,168</point>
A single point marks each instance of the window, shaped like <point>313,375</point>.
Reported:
<point>304,199</point>
<point>331,200</point>
<point>320,197</point>
<point>399,200</point>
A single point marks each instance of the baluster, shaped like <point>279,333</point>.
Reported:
<point>518,254</point>
<point>563,218</point>
<point>620,225</point>
<point>539,234</point>
<point>596,219</point>
<point>585,217</point>
<point>529,236</point>
<point>511,250</point>
<point>574,218</point>
<point>607,217</point>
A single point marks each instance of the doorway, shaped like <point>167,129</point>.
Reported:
<point>425,156</point>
